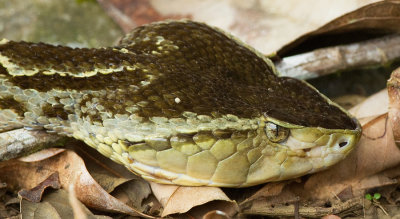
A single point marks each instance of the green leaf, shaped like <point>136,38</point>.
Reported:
<point>368,197</point>
<point>377,196</point>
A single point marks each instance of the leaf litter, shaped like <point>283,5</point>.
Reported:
<point>372,167</point>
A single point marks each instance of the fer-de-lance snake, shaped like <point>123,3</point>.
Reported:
<point>177,102</point>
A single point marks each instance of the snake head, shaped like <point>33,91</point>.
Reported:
<point>294,150</point>
<point>309,149</point>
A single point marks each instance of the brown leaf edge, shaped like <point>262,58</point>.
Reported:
<point>371,21</point>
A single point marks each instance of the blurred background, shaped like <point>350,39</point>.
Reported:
<point>265,24</point>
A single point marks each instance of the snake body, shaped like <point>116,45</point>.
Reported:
<point>176,102</point>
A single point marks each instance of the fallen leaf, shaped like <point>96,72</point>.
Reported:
<point>373,20</point>
<point>273,197</point>
<point>38,210</point>
<point>42,155</point>
<point>371,108</point>
<point>102,169</point>
<point>331,217</point>
<point>72,170</point>
<point>133,193</point>
<point>216,215</point>
<point>269,190</point>
<point>54,205</point>
<point>227,208</point>
<point>35,194</point>
<point>180,199</point>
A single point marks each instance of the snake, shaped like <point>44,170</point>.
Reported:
<point>177,102</point>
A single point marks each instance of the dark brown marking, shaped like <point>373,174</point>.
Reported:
<point>55,111</point>
<point>10,103</point>
<point>205,70</point>
<point>3,70</point>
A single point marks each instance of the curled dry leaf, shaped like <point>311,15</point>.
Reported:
<point>216,214</point>
<point>180,199</point>
<point>367,22</point>
<point>35,194</point>
<point>133,193</point>
<point>228,208</point>
<point>368,36</point>
<point>72,170</point>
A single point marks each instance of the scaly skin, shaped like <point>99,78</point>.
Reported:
<point>177,102</point>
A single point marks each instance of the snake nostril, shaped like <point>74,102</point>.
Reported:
<point>342,144</point>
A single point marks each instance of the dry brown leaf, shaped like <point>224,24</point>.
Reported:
<point>180,199</point>
<point>375,105</point>
<point>55,205</point>
<point>223,207</point>
<point>216,215</point>
<point>133,193</point>
<point>102,170</point>
<point>269,190</point>
<point>42,155</point>
<point>38,210</point>
<point>77,207</point>
<point>331,217</point>
<point>72,170</point>
<point>367,22</point>
<point>371,108</point>
<point>35,194</point>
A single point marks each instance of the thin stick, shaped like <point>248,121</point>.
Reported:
<point>329,60</point>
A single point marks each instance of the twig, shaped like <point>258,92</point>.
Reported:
<point>329,60</point>
<point>309,212</point>
<point>20,142</point>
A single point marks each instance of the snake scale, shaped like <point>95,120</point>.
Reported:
<point>176,102</point>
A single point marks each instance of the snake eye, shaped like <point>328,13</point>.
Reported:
<point>276,133</point>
